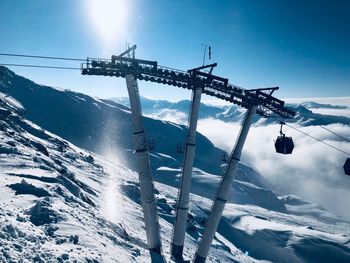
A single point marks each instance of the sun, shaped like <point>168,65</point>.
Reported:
<point>108,17</point>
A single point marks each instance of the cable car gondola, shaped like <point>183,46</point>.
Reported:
<point>283,144</point>
<point>347,166</point>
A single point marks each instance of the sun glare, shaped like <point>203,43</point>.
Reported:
<point>109,19</point>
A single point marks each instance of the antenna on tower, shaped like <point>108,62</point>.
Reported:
<point>205,51</point>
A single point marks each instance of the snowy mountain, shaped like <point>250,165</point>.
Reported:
<point>307,112</point>
<point>172,111</point>
<point>98,125</point>
<point>51,198</point>
<point>62,203</point>
<point>316,105</point>
<point>105,127</point>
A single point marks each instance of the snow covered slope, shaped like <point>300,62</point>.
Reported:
<point>52,199</point>
<point>60,203</point>
<point>105,127</point>
<point>98,125</point>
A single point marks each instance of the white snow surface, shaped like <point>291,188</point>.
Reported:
<point>60,203</point>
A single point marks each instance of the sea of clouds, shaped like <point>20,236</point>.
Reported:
<point>314,171</point>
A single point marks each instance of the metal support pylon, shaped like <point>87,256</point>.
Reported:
<point>182,206</point>
<point>144,169</point>
<point>222,194</point>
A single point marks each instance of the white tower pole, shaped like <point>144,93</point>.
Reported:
<point>184,191</point>
<point>143,165</point>
<point>222,194</point>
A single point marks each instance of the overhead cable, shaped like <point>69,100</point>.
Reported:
<point>319,140</point>
<point>41,57</point>
<point>37,66</point>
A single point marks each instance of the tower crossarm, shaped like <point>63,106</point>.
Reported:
<point>120,66</point>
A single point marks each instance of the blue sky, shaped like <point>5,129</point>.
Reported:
<point>301,46</point>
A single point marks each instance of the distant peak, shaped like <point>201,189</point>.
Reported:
<point>6,72</point>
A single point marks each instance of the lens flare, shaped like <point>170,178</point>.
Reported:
<point>109,18</point>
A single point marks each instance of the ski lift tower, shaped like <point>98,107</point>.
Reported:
<point>258,101</point>
<point>140,143</point>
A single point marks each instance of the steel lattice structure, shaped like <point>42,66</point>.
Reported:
<point>215,86</point>
<point>258,101</point>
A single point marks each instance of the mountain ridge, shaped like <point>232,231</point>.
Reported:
<point>305,116</point>
<point>65,203</point>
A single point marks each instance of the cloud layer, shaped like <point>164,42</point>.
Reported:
<point>169,115</point>
<point>314,171</point>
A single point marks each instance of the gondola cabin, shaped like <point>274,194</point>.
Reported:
<point>284,145</point>
<point>347,166</point>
